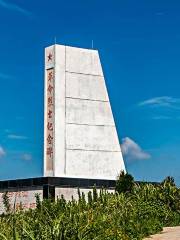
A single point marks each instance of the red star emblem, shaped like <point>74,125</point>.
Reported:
<point>50,57</point>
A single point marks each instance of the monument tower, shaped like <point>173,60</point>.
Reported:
<point>80,137</point>
<point>81,147</point>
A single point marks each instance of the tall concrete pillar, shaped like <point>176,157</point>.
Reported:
<point>80,137</point>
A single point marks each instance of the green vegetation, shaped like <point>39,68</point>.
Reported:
<point>136,210</point>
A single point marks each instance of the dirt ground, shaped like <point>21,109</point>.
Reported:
<point>169,233</point>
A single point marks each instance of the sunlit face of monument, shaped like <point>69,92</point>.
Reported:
<point>80,138</point>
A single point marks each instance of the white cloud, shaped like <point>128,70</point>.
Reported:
<point>17,137</point>
<point>27,157</point>
<point>164,101</point>
<point>15,7</point>
<point>2,152</point>
<point>132,151</point>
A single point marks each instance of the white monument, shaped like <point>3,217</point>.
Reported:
<point>80,137</point>
<point>81,147</point>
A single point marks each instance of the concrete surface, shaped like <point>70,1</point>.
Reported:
<point>168,233</point>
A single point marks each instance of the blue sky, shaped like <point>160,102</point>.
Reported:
<point>139,45</point>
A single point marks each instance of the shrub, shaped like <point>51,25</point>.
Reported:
<point>124,183</point>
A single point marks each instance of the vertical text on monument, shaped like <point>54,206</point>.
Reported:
<point>49,113</point>
<point>50,120</point>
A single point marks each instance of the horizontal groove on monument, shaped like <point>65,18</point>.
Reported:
<point>86,124</point>
<point>88,99</point>
<point>86,74</point>
<point>90,150</point>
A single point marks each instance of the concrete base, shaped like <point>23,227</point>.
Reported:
<point>22,192</point>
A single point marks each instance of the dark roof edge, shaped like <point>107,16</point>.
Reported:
<point>56,181</point>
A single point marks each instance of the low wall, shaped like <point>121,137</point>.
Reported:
<point>21,198</point>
